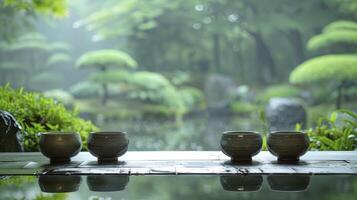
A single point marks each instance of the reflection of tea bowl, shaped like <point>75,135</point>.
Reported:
<point>289,182</point>
<point>241,146</point>
<point>60,146</point>
<point>241,182</point>
<point>107,183</point>
<point>288,146</point>
<point>108,146</point>
<point>59,183</point>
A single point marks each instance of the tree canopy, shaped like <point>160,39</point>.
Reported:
<point>105,59</point>
<point>325,68</point>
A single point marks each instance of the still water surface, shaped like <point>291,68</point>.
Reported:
<point>104,187</point>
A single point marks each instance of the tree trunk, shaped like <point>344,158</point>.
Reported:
<point>105,96</point>
<point>216,52</point>
<point>295,39</point>
<point>264,59</point>
<point>339,95</point>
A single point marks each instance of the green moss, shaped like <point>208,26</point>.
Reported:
<point>331,39</point>
<point>278,91</point>
<point>37,113</point>
<point>325,68</point>
<point>106,58</point>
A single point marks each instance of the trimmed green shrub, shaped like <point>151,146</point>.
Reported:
<point>85,89</point>
<point>37,113</point>
<point>240,107</point>
<point>341,25</point>
<point>59,95</point>
<point>58,58</point>
<point>332,39</point>
<point>106,58</point>
<point>192,97</point>
<point>325,68</point>
<point>278,91</point>
<point>328,135</point>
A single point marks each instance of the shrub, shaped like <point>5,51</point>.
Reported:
<point>329,135</point>
<point>192,97</point>
<point>37,113</point>
<point>278,91</point>
<point>85,90</point>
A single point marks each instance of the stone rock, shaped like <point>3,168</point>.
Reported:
<point>218,91</point>
<point>285,113</point>
<point>11,136</point>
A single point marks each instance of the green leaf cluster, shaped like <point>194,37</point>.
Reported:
<point>106,58</point>
<point>37,113</point>
<point>86,89</point>
<point>325,68</point>
<point>278,91</point>
<point>329,135</point>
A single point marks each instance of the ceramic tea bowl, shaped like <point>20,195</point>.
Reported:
<point>288,146</point>
<point>107,183</point>
<point>241,182</point>
<point>241,146</point>
<point>289,182</point>
<point>59,147</point>
<point>108,146</point>
<point>59,183</point>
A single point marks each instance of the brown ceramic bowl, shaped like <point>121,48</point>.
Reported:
<point>107,183</point>
<point>289,182</point>
<point>288,146</point>
<point>60,146</point>
<point>241,182</point>
<point>241,146</point>
<point>59,183</point>
<point>108,146</point>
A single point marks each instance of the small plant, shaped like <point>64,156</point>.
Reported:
<point>37,113</point>
<point>330,135</point>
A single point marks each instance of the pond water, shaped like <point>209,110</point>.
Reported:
<point>194,133</point>
<point>106,187</point>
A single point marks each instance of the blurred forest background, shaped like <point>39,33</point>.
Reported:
<point>175,74</point>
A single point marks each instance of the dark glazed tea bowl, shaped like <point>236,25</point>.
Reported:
<point>59,147</point>
<point>59,183</point>
<point>108,146</point>
<point>289,182</point>
<point>107,183</point>
<point>288,146</point>
<point>241,182</point>
<point>241,146</point>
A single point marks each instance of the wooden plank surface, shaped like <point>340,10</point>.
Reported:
<point>180,163</point>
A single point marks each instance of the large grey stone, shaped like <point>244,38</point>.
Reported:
<point>218,91</point>
<point>285,113</point>
<point>11,136</point>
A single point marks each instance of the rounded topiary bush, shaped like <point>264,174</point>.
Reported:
<point>278,91</point>
<point>37,113</point>
<point>86,89</point>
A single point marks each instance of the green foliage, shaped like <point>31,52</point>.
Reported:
<point>113,76</point>
<point>105,59</point>
<point>60,96</point>
<point>85,90</point>
<point>325,68</point>
<point>278,91</point>
<point>329,135</point>
<point>45,81</point>
<point>37,114</point>
<point>17,181</point>
<point>192,97</point>
<point>333,38</point>
<point>241,107</point>
<point>60,46</point>
<point>341,25</point>
<point>57,8</point>
<point>58,58</point>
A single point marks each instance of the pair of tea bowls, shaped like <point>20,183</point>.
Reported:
<point>59,147</point>
<point>241,146</point>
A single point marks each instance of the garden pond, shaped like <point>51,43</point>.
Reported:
<point>179,187</point>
